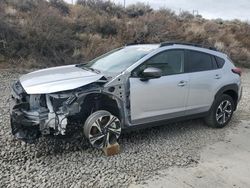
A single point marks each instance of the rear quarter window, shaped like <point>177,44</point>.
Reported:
<point>220,62</point>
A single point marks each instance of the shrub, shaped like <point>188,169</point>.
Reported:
<point>107,27</point>
<point>23,5</point>
<point>60,5</point>
<point>102,6</point>
<point>219,45</point>
<point>138,9</point>
<point>50,36</point>
<point>211,27</point>
<point>10,40</point>
<point>186,15</point>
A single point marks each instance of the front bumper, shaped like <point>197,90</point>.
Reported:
<point>24,126</point>
<point>25,123</point>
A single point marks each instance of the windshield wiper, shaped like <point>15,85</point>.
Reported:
<point>88,68</point>
<point>94,70</point>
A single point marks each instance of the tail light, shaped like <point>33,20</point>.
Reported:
<point>237,71</point>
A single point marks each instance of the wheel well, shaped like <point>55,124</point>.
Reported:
<point>98,101</point>
<point>234,96</point>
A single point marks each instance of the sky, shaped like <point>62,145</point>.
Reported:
<point>210,9</point>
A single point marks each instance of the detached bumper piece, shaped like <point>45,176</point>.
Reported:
<point>25,124</point>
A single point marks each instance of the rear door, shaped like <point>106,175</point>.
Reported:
<point>204,78</point>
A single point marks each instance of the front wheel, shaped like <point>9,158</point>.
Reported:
<point>102,129</point>
<point>221,112</point>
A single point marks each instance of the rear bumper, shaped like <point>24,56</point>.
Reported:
<point>240,94</point>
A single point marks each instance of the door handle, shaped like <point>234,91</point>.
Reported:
<point>217,76</point>
<point>182,83</point>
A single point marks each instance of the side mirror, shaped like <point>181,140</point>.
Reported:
<point>151,73</point>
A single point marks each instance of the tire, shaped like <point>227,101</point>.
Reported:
<point>102,129</point>
<point>221,112</point>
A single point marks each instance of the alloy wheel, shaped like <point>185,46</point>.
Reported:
<point>224,112</point>
<point>104,130</point>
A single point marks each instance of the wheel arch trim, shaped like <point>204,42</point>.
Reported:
<point>227,88</point>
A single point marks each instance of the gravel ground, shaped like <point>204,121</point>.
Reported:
<point>73,163</point>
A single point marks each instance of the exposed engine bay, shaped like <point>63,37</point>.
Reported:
<point>34,115</point>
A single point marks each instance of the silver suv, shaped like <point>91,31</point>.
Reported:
<point>130,87</point>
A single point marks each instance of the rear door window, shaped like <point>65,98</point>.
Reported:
<point>199,61</point>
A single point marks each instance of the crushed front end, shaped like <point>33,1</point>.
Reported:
<point>39,114</point>
<point>24,123</point>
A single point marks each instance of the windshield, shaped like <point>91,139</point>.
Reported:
<point>118,60</point>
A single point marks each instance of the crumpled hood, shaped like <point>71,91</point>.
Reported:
<point>57,79</point>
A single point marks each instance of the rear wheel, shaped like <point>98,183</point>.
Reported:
<point>102,129</point>
<point>221,112</point>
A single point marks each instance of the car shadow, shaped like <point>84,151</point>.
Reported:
<point>59,145</point>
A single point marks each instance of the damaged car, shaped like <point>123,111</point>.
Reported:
<point>134,86</point>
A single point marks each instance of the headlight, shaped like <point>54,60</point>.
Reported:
<point>17,87</point>
<point>17,90</point>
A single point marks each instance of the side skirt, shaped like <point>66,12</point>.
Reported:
<point>164,122</point>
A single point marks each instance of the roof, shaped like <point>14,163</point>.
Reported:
<point>170,43</point>
<point>186,45</point>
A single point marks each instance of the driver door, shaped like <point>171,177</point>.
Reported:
<point>159,98</point>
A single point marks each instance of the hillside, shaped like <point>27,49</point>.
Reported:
<point>40,33</point>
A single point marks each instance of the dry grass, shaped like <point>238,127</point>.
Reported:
<point>41,33</point>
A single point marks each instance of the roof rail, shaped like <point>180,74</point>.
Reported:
<point>134,43</point>
<point>188,44</point>
<point>130,44</point>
